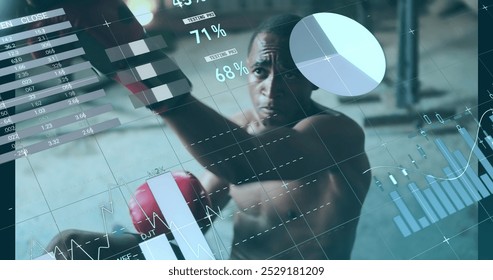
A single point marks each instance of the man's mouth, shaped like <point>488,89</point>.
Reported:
<point>269,110</point>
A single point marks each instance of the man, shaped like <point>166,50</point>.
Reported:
<point>316,168</point>
<point>293,167</point>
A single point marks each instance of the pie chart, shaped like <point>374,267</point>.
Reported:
<point>337,54</point>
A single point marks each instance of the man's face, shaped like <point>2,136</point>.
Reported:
<point>281,95</point>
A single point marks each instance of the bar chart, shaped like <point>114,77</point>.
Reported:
<point>444,196</point>
<point>181,222</point>
<point>169,82</point>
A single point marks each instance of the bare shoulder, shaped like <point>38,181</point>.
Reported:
<point>335,127</point>
<point>344,139</point>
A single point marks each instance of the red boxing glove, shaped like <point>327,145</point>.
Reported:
<point>143,206</point>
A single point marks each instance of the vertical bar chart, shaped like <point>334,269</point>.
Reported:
<point>459,205</point>
<point>442,197</point>
<point>181,222</point>
<point>482,159</point>
<point>457,186</point>
<point>157,248</point>
<point>434,203</point>
<point>455,167</point>
<point>402,226</point>
<point>405,212</point>
<point>488,182</point>
<point>479,186</point>
<point>425,206</point>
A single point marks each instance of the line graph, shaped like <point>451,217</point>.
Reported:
<point>74,245</point>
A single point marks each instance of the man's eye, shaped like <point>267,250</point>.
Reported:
<point>290,75</point>
<point>259,72</point>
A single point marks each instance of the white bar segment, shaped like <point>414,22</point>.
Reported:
<point>175,210</point>
<point>146,71</point>
<point>138,47</point>
<point>162,93</point>
<point>157,248</point>
<point>45,257</point>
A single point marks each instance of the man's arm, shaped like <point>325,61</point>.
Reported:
<point>285,153</point>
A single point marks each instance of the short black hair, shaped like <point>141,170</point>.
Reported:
<point>281,25</point>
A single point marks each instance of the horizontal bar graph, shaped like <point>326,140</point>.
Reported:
<point>136,48</point>
<point>51,108</point>
<point>57,123</point>
<point>37,95</point>
<point>147,71</point>
<point>46,76</point>
<point>41,61</point>
<point>54,62</point>
<point>57,141</point>
<point>158,76</point>
<point>36,32</point>
<point>38,47</point>
<point>160,93</point>
<point>443,197</point>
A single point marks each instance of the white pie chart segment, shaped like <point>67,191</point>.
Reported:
<point>337,54</point>
<point>339,74</point>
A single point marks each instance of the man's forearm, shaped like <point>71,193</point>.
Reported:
<point>214,141</point>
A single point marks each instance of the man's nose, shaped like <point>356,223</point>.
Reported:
<point>273,86</point>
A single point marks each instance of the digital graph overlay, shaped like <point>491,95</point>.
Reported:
<point>37,56</point>
<point>459,186</point>
<point>74,245</point>
<point>179,220</point>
